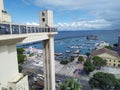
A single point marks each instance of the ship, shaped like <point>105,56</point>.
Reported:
<point>92,37</point>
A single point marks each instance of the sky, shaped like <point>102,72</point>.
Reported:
<point>68,14</point>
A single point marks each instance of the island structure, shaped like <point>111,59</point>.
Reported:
<point>12,34</point>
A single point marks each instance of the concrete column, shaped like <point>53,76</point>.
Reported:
<point>52,61</point>
<point>49,63</point>
<point>46,64</point>
<point>8,64</point>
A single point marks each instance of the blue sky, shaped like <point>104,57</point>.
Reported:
<point>68,14</point>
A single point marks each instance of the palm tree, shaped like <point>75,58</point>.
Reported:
<point>71,84</point>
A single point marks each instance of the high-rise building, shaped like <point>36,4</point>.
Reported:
<point>4,16</point>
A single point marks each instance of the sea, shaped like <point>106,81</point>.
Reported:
<point>74,40</point>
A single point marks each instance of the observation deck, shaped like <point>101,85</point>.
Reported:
<point>23,29</point>
<point>16,33</point>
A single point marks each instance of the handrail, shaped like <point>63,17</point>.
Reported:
<point>7,28</point>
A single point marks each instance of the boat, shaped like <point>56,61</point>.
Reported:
<point>74,47</point>
<point>77,51</point>
<point>92,37</point>
<point>68,51</point>
<point>58,54</point>
<point>74,55</point>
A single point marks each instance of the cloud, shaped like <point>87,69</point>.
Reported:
<point>27,2</point>
<point>32,23</point>
<point>109,10</point>
<point>84,25</point>
<point>95,24</point>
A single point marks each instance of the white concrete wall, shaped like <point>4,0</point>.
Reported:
<point>20,85</point>
<point>6,18</point>
<point>1,5</point>
<point>49,63</point>
<point>48,18</point>
<point>52,61</point>
<point>1,8</point>
<point>8,63</point>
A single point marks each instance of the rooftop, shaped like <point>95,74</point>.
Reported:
<point>105,50</point>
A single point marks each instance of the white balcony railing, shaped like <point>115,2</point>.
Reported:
<point>23,29</point>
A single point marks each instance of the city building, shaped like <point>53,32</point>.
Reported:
<point>12,34</point>
<point>4,16</point>
<point>112,57</point>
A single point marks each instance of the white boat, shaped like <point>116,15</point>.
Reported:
<point>68,51</point>
<point>75,47</point>
<point>77,51</point>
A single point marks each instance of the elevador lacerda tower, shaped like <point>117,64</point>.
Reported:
<point>12,34</point>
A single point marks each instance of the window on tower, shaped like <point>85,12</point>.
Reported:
<point>43,14</point>
<point>43,19</point>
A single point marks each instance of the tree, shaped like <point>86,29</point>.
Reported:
<point>87,54</point>
<point>71,84</point>
<point>72,59</point>
<point>20,50</point>
<point>104,81</point>
<point>64,62</point>
<point>88,67</point>
<point>98,61</point>
<point>108,47</point>
<point>20,68</point>
<point>20,56</point>
<point>80,58</point>
<point>31,54</point>
<point>115,45</point>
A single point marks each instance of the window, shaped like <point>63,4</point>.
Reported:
<point>114,65</point>
<point>15,29</point>
<point>110,60</point>
<point>118,65</point>
<point>43,19</point>
<point>43,14</point>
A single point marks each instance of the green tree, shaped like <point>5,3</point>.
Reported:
<point>80,59</point>
<point>72,59</point>
<point>20,56</point>
<point>108,47</point>
<point>31,54</point>
<point>98,61</point>
<point>88,67</point>
<point>31,88</point>
<point>87,54</point>
<point>64,62</point>
<point>104,81</point>
<point>71,84</point>
<point>20,50</point>
<point>20,68</point>
<point>115,45</point>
